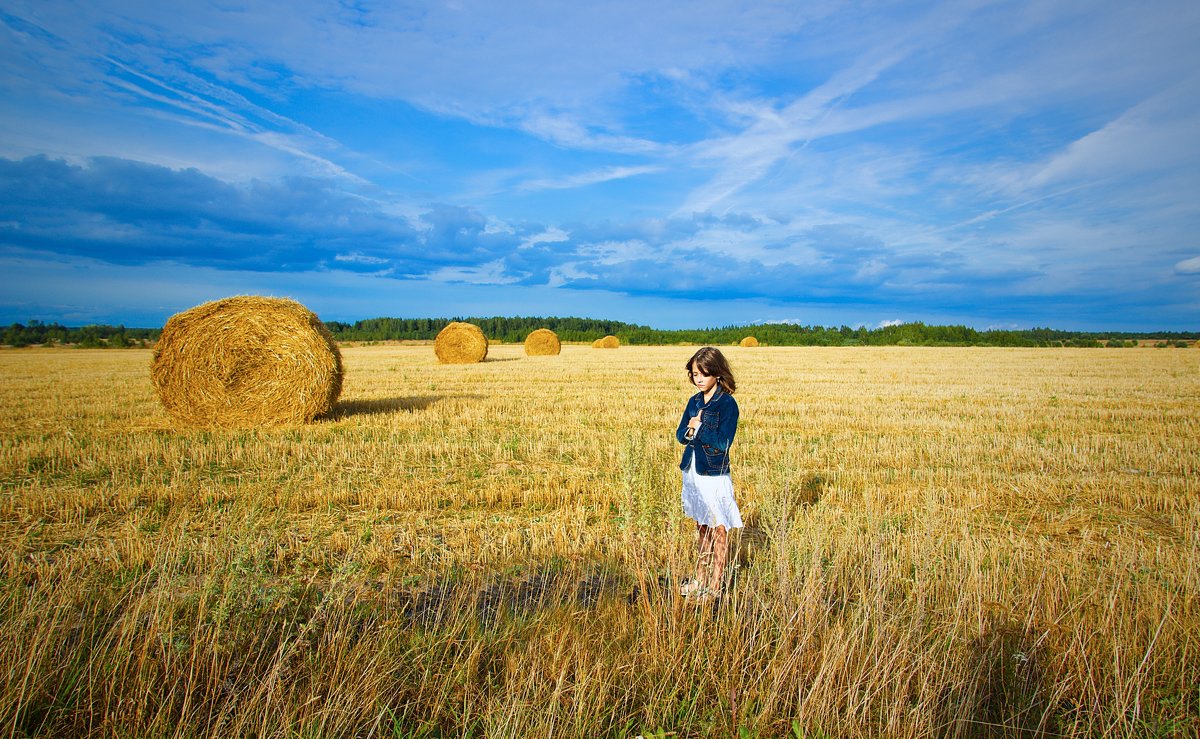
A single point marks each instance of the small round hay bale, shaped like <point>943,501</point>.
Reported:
<point>460,343</point>
<point>748,341</point>
<point>608,342</point>
<point>246,361</point>
<point>542,342</point>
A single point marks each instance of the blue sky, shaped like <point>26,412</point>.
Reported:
<point>676,164</point>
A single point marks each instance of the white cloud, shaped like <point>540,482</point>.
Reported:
<point>559,129</point>
<point>551,235</point>
<point>615,252</point>
<point>567,273</point>
<point>1188,266</point>
<point>1158,133</point>
<point>491,273</point>
<point>583,179</point>
<point>356,258</point>
<point>871,270</point>
<point>776,133</point>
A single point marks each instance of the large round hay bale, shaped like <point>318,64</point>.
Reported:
<point>542,342</point>
<point>246,361</point>
<point>460,343</point>
<point>748,341</point>
<point>608,342</point>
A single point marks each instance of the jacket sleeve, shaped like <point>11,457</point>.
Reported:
<point>683,422</point>
<point>720,437</point>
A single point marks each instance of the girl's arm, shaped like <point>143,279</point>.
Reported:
<point>683,425</point>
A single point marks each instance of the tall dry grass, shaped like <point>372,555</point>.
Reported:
<point>940,542</point>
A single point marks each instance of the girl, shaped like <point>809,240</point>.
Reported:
<point>706,431</point>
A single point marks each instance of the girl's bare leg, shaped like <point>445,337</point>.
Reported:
<point>703,553</point>
<point>719,549</point>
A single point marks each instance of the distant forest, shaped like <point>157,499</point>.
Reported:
<point>84,337</point>
<point>514,330</point>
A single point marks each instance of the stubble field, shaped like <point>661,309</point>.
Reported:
<point>939,542</point>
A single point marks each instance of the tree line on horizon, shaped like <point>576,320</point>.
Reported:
<point>91,336</point>
<point>514,330</point>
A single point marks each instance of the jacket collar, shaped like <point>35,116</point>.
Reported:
<point>716,394</point>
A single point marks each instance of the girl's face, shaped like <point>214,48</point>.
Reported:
<point>703,382</point>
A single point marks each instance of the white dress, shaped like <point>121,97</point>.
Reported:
<point>709,499</point>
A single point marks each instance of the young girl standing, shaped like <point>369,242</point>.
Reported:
<point>706,430</point>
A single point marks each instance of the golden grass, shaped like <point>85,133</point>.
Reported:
<point>940,542</point>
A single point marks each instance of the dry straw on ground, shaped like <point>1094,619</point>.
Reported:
<point>940,542</point>
<point>542,342</point>
<point>460,343</point>
<point>246,361</point>
<point>748,341</point>
<point>608,342</point>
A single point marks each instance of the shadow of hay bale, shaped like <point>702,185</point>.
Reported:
<point>347,408</point>
<point>384,406</point>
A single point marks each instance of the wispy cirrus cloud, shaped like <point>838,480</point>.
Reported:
<point>1154,135</point>
<point>584,179</point>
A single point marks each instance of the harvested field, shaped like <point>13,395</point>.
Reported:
<point>940,542</point>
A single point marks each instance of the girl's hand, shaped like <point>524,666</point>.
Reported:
<point>694,424</point>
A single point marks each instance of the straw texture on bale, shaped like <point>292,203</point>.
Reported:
<point>542,342</point>
<point>246,361</point>
<point>748,341</point>
<point>460,343</point>
<point>608,342</point>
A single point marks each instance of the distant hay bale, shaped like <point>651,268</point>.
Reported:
<point>608,342</point>
<point>542,343</point>
<point>748,341</point>
<point>460,343</point>
<point>246,361</point>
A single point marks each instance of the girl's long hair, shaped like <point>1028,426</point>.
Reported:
<point>712,362</point>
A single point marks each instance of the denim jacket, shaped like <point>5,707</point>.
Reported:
<point>711,444</point>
